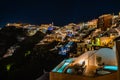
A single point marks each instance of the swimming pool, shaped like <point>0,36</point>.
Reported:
<point>60,68</point>
<point>113,68</point>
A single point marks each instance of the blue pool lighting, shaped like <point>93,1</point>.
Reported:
<point>60,68</point>
<point>114,68</point>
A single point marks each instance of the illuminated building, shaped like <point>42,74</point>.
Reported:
<point>118,21</point>
<point>103,42</point>
<point>15,24</point>
<point>80,48</point>
<point>105,22</point>
<point>70,26</point>
<point>92,23</point>
<point>88,66</point>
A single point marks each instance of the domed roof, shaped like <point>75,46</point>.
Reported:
<point>108,56</point>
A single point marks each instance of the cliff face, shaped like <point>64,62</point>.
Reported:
<point>19,61</point>
<point>8,37</point>
<point>28,60</point>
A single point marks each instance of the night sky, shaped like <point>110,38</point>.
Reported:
<point>61,12</point>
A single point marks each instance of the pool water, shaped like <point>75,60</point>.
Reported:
<point>113,68</point>
<point>60,68</point>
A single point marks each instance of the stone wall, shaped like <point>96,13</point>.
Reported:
<point>62,76</point>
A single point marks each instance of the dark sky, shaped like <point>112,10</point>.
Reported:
<point>60,12</point>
